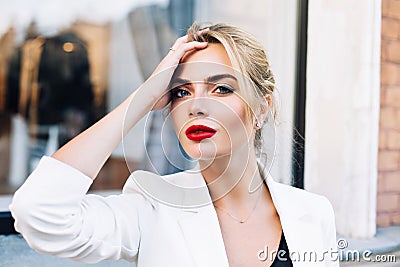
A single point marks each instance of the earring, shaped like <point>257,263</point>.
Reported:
<point>258,124</point>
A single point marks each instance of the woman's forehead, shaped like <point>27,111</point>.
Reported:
<point>214,52</point>
<point>198,65</point>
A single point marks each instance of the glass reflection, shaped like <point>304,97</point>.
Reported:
<point>58,76</point>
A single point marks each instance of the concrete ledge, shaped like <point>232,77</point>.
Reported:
<point>385,245</point>
<point>387,239</point>
<point>15,252</point>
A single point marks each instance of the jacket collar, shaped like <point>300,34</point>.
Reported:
<point>281,198</point>
<point>189,192</point>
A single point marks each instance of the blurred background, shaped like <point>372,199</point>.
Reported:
<point>65,64</point>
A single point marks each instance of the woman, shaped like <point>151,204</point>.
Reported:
<point>218,99</point>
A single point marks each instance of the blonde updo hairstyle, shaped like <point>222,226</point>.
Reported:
<point>248,58</point>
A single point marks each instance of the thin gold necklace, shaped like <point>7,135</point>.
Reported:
<point>248,216</point>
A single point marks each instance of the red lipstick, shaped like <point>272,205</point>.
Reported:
<point>199,132</point>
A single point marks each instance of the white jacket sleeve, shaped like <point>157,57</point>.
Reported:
<point>55,216</point>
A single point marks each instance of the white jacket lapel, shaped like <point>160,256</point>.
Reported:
<point>302,234</point>
<point>203,237</point>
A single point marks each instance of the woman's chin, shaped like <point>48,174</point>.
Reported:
<point>202,156</point>
<point>208,149</point>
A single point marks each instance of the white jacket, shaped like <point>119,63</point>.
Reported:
<point>55,215</point>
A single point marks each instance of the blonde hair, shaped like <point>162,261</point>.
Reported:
<point>248,57</point>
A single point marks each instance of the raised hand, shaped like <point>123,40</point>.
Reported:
<point>157,85</point>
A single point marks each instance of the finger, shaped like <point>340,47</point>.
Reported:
<point>203,31</point>
<point>184,39</point>
<point>179,41</point>
<point>186,47</point>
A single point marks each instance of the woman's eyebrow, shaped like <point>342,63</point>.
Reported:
<point>209,79</point>
<point>217,77</point>
<point>180,81</point>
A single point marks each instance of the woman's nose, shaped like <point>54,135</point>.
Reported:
<point>198,106</point>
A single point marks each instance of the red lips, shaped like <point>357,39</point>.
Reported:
<point>199,132</point>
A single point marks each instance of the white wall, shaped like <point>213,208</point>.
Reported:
<point>274,24</point>
<point>342,109</point>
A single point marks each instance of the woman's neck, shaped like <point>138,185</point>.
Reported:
<point>229,179</point>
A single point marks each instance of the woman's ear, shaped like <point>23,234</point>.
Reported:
<point>263,109</point>
<point>268,99</point>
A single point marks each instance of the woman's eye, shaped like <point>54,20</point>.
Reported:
<point>223,89</point>
<point>179,93</point>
